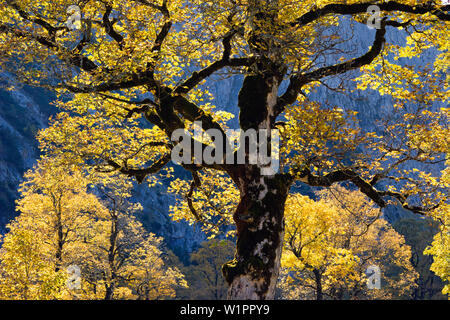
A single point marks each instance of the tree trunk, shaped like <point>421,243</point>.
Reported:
<point>59,233</point>
<point>111,282</point>
<point>318,279</point>
<point>259,218</point>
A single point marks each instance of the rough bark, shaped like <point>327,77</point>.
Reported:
<point>318,279</point>
<point>111,283</point>
<point>59,232</point>
<point>259,218</point>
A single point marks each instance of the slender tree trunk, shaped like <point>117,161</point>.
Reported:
<point>59,246</point>
<point>318,279</point>
<point>111,283</point>
<point>59,233</point>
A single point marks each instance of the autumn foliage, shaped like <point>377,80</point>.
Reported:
<point>131,72</point>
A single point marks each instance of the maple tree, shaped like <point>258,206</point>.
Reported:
<point>204,274</point>
<point>330,243</point>
<point>418,235</point>
<point>440,248</point>
<point>63,224</point>
<point>136,71</point>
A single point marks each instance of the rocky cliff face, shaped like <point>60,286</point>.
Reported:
<point>22,113</point>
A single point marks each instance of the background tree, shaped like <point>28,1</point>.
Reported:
<point>419,234</point>
<point>26,273</point>
<point>127,260</point>
<point>204,275</point>
<point>134,60</point>
<point>54,206</point>
<point>330,243</point>
<point>55,203</point>
<point>64,223</point>
<point>440,248</point>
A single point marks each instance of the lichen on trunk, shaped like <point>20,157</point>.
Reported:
<point>260,227</point>
<point>259,217</point>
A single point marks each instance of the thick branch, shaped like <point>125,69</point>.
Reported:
<point>225,61</point>
<point>109,29</point>
<point>365,187</point>
<point>298,81</point>
<point>160,37</point>
<point>140,174</point>
<point>76,59</point>
<point>194,184</point>
<point>350,9</point>
<point>128,81</point>
<point>24,15</point>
